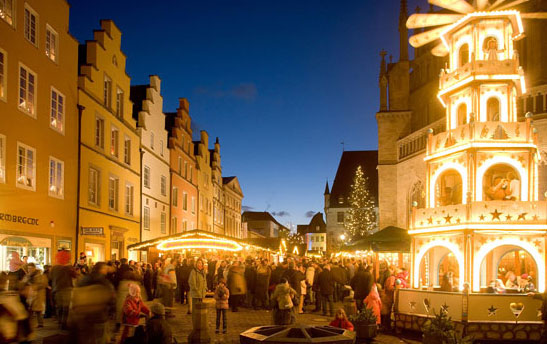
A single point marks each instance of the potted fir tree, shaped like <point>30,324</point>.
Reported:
<point>439,329</point>
<point>365,324</point>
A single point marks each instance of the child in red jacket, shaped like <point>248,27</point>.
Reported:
<point>341,320</point>
<point>133,306</point>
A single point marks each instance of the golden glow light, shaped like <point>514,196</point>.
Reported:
<point>493,226</point>
<point>202,243</point>
<point>443,243</point>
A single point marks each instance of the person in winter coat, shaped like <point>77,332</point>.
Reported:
<point>361,284</point>
<point>325,281</point>
<point>373,301</point>
<point>310,273</point>
<point>221,297</point>
<point>387,296</point>
<point>237,285</point>
<point>92,306</point>
<point>133,307</point>
<point>283,305</point>
<point>250,280</point>
<point>263,273</point>
<point>16,272</point>
<point>158,330</point>
<point>168,283</point>
<point>14,320</point>
<point>341,320</point>
<point>61,276</point>
<point>37,297</point>
<point>148,283</point>
<point>198,283</point>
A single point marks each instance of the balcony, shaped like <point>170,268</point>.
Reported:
<point>495,70</point>
<point>480,134</point>
<point>517,215</point>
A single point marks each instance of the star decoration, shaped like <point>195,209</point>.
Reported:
<point>522,216</point>
<point>535,217</point>
<point>412,305</point>
<point>492,311</point>
<point>458,220</point>
<point>508,217</point>
<point>448,218</point>
<point>430,221</point>
<point>481,217</point>
<point>421,223</point>
<point>444,308</point>
<point>496,215</point>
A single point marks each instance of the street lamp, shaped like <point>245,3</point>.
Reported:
<point>342,237</point>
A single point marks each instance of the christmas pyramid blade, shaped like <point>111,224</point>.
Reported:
<point>419,20</point>
<point>511,4</point>
<point>423,38</point>
<point>481,4</point>
<point>439,50</point>
<point>460,6</point>
<point>537,15</point>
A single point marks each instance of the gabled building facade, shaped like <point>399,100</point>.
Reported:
<point>155,155</point>
<point>110,177</point>
<point>205,188</point>
<point>337,198</point>
<point>218,190</point>
<point>232,207</point>
<point>38,130</point>
<point>184,191</point>
<point>314,234</point>
<point>262,223</point>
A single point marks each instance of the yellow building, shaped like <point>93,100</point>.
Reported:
<point>205,187</point>
<point>218,191</point>
<point>38,130</point>
<point>110,184</point>
<point>232,207</point>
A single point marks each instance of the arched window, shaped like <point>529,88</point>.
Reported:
<point>462,114</point>
<point>493,109</point>
<point>509,263</point>
<point>448,189</point>
<point>439,268</point>
<point>463,55</point>
<point>501,182</point>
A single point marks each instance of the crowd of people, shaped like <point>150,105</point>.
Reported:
<point>105,302</point>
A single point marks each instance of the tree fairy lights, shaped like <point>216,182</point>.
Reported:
<point>361,219</point>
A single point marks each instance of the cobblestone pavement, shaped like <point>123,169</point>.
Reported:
<point>238,322</point>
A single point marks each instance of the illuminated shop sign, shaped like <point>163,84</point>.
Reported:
<point>18,219</point>
<point>91,230</point>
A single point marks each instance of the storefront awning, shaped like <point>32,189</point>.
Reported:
<point>389,239</point>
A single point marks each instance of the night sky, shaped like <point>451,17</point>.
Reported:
<point>281,83</point>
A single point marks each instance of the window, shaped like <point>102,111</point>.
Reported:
<point>185,169</point>
<point>27,89</point>
<point>463,55</point>
<point>6,11</point>
<point>174,225</point>
<point>462,114</point>
<point>152,140</point>
<point>129,189</point>
<point>163,220</point>
<point>180,165</point>
<point>119,102</point>
<point>146,177</point>
<point>2,159</point>
<point>52,45</point>
<point>114,140</point>
<point>107,96</point>
<point>184,201</point>
<point>57,119</point>
<point>113,185</point>
<point>161,147</point>
<point>175,197</point>
<point>26,172</point>
<point>193,205</point>
<point>56,177</point>
<point>191,173</point>
<point>31,24</point>
<point>94,186</point>
<point>340,217</point>
<point>163,186</point>
<point>492,109</point>
<point>99,132</point>
<point>146,219</point>
<point>184,225</point>
<point>3,62</point>
<point>127,150</point>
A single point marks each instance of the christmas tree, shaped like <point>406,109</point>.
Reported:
<point>361,217</point>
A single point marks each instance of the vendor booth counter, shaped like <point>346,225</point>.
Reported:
<point>483,316</point>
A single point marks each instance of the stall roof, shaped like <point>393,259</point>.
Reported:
<point>193,234</point>
<point>389,239</point>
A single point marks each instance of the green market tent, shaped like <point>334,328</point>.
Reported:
<point>389,239</point>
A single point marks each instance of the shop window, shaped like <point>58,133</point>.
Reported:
<point>448,189</point>
<point>501,182</point>
<point>492,109</point>
<point>463,55</point>
<point>462,114</point>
